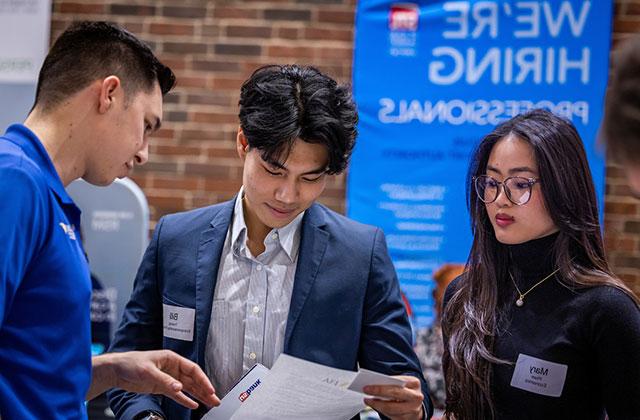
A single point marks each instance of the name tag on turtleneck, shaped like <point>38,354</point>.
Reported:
<point>539,376</point>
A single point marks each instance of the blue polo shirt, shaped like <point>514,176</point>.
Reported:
<point>45,288</point>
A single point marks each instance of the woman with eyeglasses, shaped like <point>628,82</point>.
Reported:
<point>538,327</point>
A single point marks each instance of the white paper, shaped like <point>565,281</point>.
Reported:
<point>296,389</point>
<point>239,394</point>
<point>367,377</point>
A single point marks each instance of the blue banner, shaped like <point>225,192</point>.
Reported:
<point>430,79</point>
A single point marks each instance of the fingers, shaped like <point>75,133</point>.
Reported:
<point>194,381</point>
<point>170,387</point>
<point>195,387</point>
<point>390,409</point>
<point>396,401</point>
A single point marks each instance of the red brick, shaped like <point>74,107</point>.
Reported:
<point>633,9</point>
<point>227,83</point>
<point>206,169</point>
<point>213,117</point>
<point>215,65</point>
<point>163,133</point>
<point>290,52</point>
<point>170,29</point>
<point>189,12</point>
<point>80,8</point>
<point>335,53</point>
<point>132,10</point>
<point>248,31</point>
<point>156,166</point>
<point>222,12</point>
<point>176,150</point>
<point>166,203</point>
<point>181,183</point>
<point>192,81</point>
<point>136,28</point>
<point>221,153</point>
<point>324,34</point>
<point>632,226</point>
<point>210,98</point>
<point>200,200</point>
<point>288,15</point>
<point>620,208</point>
<point>237,49</point>
<point>176,63</point>
<point>336,16</point>
<point>201,135</point>
<point>626,25</point>
<point>211,30</point>
<point>289,33</point>
<point>217,185</point>
<point>615,171</point>
<point>185,47</point>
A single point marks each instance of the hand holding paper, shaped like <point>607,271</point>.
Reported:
<point>398,402</point>
<point>296,388</point>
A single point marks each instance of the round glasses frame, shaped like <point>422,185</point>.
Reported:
<point>478,180</point>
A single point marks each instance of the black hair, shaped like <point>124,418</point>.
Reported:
<point>280,104</point>
<point>87,51</point>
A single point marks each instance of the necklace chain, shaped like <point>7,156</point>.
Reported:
<point>520,300</point>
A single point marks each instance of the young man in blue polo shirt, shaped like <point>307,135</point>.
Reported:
<point>98,99</point>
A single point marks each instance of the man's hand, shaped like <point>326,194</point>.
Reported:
<point>399,402</point>
<point>152,372</point>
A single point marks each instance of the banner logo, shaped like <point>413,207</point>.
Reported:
<point>403,17</point>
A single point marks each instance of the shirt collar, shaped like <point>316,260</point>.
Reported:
<point>288,237</point>
<point>33,148</point>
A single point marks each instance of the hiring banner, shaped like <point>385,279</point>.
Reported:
<point>430,79</point>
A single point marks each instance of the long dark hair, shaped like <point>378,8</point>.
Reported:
<point>471,316</point>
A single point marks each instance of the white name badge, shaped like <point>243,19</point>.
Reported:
<point>178,322</point>
<point>539,376</point>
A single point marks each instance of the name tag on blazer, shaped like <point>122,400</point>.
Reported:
<point>178,322</point>
<point>539,376</point>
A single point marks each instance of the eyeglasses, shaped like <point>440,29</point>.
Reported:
<point>516,188</point>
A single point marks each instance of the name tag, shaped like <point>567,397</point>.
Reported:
<point>178,322</point>
<point>539,376</point>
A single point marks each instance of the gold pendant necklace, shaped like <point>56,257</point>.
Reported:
<point>520,300</point>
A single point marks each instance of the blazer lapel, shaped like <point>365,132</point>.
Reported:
<point>207,264</point>
<point>313,244</point>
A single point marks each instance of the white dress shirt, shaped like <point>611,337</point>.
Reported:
<point>250,302</point>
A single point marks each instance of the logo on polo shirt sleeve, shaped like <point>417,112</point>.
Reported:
<point>69,230</point>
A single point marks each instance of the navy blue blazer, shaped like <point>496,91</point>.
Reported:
<point>346,310</point>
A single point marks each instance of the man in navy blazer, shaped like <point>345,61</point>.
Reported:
<point>272,271</point>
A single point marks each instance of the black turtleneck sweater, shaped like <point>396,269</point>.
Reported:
<point>594,332</point>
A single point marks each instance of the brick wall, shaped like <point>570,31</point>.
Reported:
<point>622,212</point>
<point>214,45</point>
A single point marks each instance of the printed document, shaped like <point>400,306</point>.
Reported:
<point>296,389</point>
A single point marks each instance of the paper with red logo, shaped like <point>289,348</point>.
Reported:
<point>297,389</point>
<point>240,393</point>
